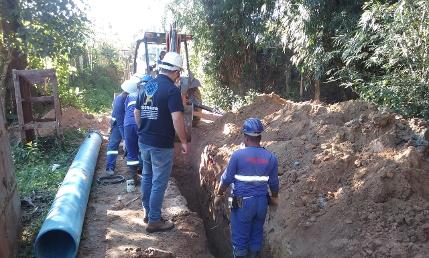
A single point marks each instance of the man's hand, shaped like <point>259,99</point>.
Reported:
<point>185,148</point>
<point>274,201</point>
<point>179,127</point>
<point>137,117</point>
<point>218,201</point>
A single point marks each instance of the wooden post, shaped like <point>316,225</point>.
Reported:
<point>57,105</point>
<point>27,107</point>
<point>9,199</point>
<point>18,98</point>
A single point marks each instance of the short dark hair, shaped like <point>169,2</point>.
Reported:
<point>255,139</point>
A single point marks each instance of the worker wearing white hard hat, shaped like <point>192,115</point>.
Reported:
<point>130,86</point>
<point>159,114</point>
<point>172,62</point>
<point>117,124</point>
<point>130,128</point>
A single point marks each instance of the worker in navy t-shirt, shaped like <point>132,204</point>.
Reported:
<point>250,171</point>
<point>159,114</point>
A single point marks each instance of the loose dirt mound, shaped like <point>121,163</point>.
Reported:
<point>73,118</point>
<point>354,179</point>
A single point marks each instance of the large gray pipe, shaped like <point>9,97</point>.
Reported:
<point>60,233</point>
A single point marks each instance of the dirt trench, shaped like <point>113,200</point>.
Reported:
<point>354,179</point>
<point>354,182</point>
<point>112,231</point>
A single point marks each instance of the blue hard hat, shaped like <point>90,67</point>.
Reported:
<point>252,127</point>
<point>146,78</point>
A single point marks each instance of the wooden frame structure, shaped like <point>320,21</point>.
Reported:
<point>23,80</point>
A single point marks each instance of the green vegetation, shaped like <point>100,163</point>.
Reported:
<point>236,50</point>
<point>98,81</point>
<point>387,58</point>
<point>34,162</point>
<point>56,34</point>
<point>38,34</point>
<point>52,34</point>
<point>40,167</point>
<point>377,48</point>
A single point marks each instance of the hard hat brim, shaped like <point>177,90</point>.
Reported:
<point>170,68</point>
<point>252,134</point>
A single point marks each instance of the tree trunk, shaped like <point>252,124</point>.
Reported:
<point>317,90</point>
<point>288,80</point>
<point>301,88</point>
<point>9,23</point>
<point>9,199</point>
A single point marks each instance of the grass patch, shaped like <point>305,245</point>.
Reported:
<point>38,181</point>
<point>92,91</point>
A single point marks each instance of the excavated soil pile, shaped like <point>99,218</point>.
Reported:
<point>73,118</point>
<point>354,179</point>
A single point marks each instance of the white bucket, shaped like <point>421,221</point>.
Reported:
<point>130,186</point>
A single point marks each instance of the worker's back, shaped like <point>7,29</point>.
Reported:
<point>253,166</point>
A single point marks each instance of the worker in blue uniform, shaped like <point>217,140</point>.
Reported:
<point>130,130</point>
<point>117,125</point>
<point>250,170</point>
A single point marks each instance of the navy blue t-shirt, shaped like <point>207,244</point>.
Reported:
<point>157,99</point>
<point>118,111</point>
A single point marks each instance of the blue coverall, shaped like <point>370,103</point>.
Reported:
<point>249,171</point>
<point>116,130</point>
<point>130,133</point>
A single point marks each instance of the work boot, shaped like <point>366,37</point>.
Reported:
<point>139,170</point>
<point>137,179</point>
<point>254,254</point>
<point>133,174</point>
<point>159,226</point>
<point>146,219</point>
<point>110,172</point>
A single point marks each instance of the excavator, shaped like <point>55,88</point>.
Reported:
<point>189,85</point>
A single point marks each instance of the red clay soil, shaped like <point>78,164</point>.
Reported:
<point>73,118</point>
<point>354,179</point>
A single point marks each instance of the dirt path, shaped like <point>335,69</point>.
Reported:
<point>121,233</point>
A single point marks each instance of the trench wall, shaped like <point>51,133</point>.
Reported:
<point>197,175</point>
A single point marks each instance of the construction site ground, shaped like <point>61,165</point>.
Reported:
<point>114,224</point>
<point>354,183</point>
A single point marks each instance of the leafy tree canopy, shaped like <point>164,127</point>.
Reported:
<point>45,28</point>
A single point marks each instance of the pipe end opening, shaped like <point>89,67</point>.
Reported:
<point>55,243</point>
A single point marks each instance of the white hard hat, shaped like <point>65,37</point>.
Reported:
<point>129,86</point>
<point>172,61</point>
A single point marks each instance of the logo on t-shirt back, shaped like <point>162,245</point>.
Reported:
<point>148,111</point>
